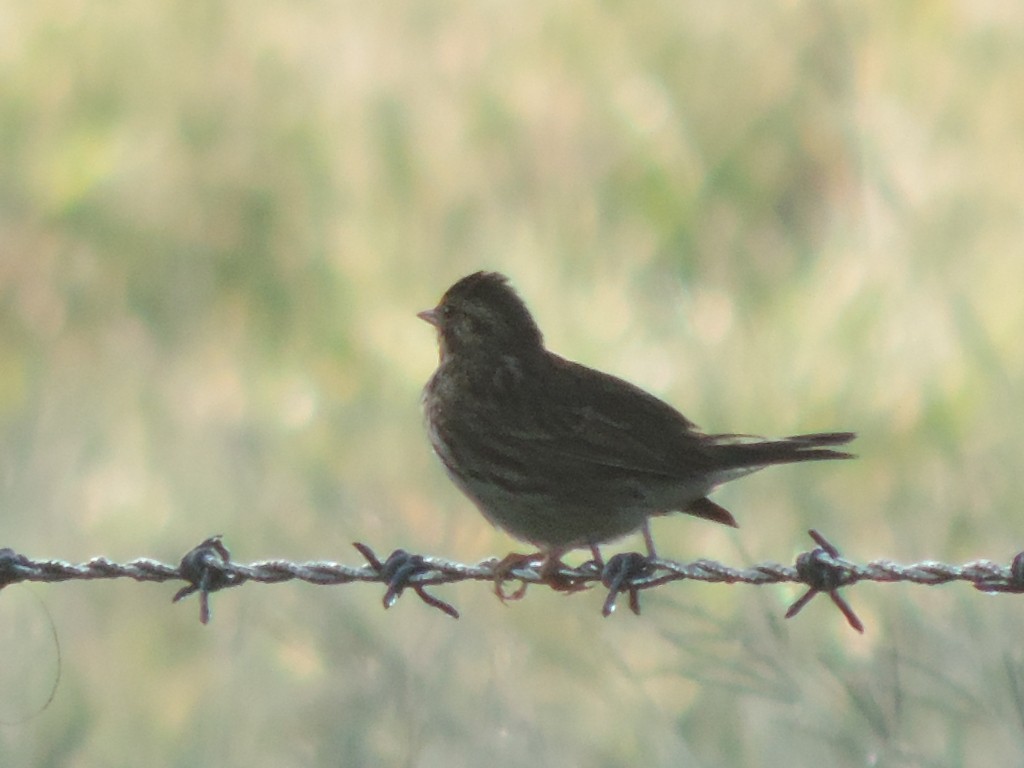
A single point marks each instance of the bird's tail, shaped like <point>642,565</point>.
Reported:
<point>738,455</point>
<point>741,452</point>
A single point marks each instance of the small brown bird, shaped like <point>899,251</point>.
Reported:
<point>564,456</point>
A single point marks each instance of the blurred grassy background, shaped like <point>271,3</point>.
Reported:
<point>217,221</point>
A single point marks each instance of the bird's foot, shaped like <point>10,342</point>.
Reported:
<point>503,570</point>
<point>551,573</point>
<point>549,570</point>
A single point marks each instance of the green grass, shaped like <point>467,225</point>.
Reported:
<point>217,222</point>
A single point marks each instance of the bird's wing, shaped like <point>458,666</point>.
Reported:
<point>592,417</point>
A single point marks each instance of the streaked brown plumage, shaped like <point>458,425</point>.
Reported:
<point>564,456</point>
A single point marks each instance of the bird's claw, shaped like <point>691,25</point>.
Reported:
<point>551,571</point>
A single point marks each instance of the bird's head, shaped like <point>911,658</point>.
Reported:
<point>482,315</point>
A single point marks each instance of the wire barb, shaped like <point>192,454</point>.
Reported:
<point>626,572</point>
<point>398,572</point>
<point>208,568</point>
<point>203,568</point>
<point>824,571</point>
<point>12,566</point>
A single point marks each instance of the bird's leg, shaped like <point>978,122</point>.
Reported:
<point>551,563</point>
<point>649,541</point>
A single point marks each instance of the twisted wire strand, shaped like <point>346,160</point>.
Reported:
<point>208,568</point>
<point>442,571</point>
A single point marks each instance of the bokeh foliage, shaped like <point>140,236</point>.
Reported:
<point>216,223</point>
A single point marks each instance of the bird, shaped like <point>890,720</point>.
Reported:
<point>563,456</point>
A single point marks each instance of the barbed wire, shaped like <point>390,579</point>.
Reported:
<point>209,568</point>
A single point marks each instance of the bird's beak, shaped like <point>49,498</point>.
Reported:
<point>431,316</point>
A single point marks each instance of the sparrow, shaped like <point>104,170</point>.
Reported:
<point>564,456</point>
